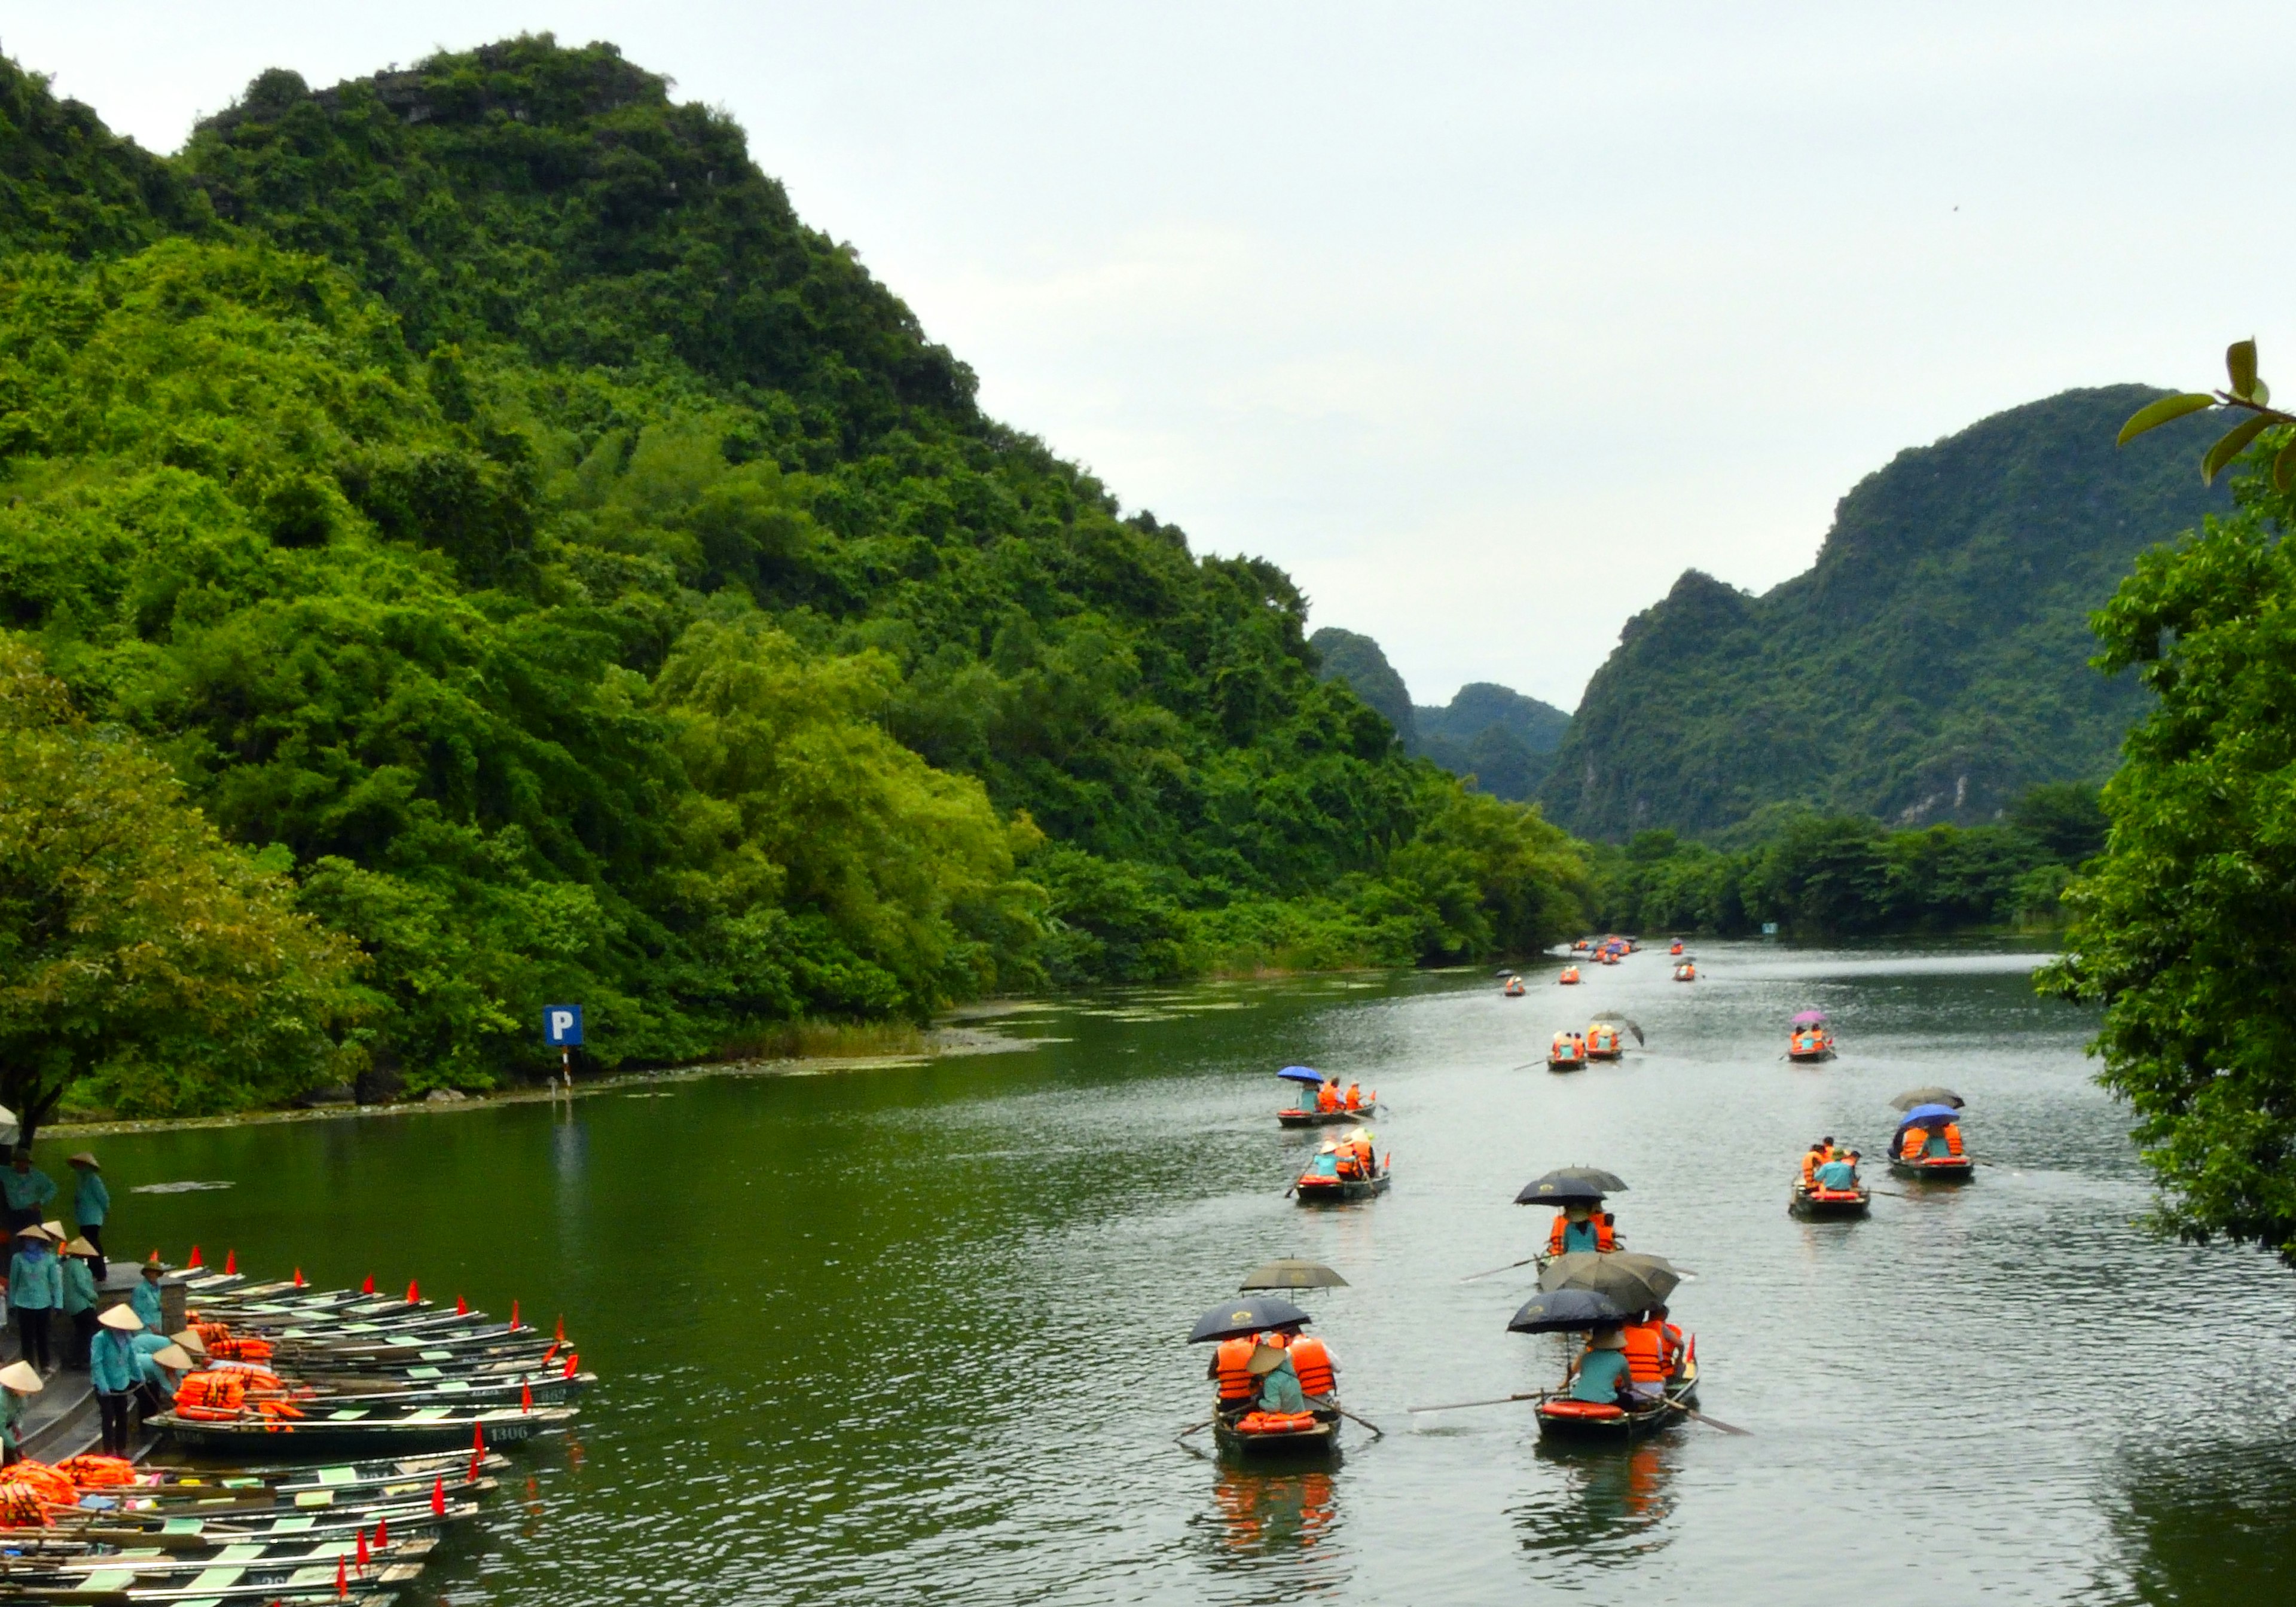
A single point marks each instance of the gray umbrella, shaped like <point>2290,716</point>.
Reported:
<point>1930,1096</point>
<point>1290,1272</point>
<point>1565,1310</point>
<point>1627,1021</point>
<point>1635,1283</point>
<point>1246,1313</point>
<point>1562,1182</point>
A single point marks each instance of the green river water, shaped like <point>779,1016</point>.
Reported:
<point>915,1334</point>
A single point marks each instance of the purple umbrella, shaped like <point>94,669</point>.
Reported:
<point>1810,1018</point>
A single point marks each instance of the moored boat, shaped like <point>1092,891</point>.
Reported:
<point>372,1428</point>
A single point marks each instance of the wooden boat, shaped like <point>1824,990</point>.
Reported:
<point>1934,1169</point>
<point>1318,1119</point>
<point>1821,1050</point>
<point>1675,948</point>
<point>1334,1191</point>
<point>1585,1422</point>
<point>153,1563</point>
<point>1320,1443</point>
<point>330,1432</point>
<point>1563,1062</point>
<point>1514,989</point>
<point>1818,1204</point>
<point>292,1478</point>
<point>1603,1042</point>
<point>264,1583</point>
<point>183,1531</point>
<point>1685,973</point>
<point>1570,977</point>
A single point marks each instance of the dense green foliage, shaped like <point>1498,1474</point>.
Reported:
<point>1502,740</point>
<point>2184,928</point>
<point>1930,666</point>
<point>139,953</point>
<point>590,585</point>
<point>1820,876</point>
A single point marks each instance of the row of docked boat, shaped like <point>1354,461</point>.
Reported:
<point>341,1433</point>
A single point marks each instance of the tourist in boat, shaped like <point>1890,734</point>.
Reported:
<point>1820,1151</point>
<point>1840,1174</point>
<point>111,1368</point>
<point>1357,1100</point>
<point>26,1189</point>
<point>1569,974</point>
<point>81,1258</point>
<point>1579,1227</point>
<point>18,1381</point>
<point>35,1292</point>
<point>1654,1349</point>
<point>145,1296</point>
<point>1601,1373</point>
<point>1327,1096</point>
<point>91,1204</point>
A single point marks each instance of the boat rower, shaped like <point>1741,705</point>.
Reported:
<point>19,1380</point>
<point>1356,1099</point>
<point>1840,1174</point>
<point>1581,1226</point>
<point>1600,1373</point>
<point>1279,1383</point>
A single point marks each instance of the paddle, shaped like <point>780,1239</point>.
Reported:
<point>1711,1422</point>
<point>1510,1267</point>
<point>1366,1421</point>
<point>1461,1406</point>
<point>1192,1427</point>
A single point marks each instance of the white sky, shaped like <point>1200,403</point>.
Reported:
<point>1484,321</point>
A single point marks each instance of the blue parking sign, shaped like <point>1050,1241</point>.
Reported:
<point>561,1025</point>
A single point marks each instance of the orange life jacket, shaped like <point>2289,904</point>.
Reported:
<point>1232,1363</point>
<point>212,1396</point>
<point>1670,1338</point>
<point>1354,1101</point>
<point>1327,1098</point>
<point>1953,1138</point>
<point>1917,1140</point>
<point>1606,1237</point>
<point>1274,1423</point>
<point>1313,1363</point>
<point>1646,1353</point>
<point>1810,1169</point>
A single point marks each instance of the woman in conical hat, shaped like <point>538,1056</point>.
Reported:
<point>111,1368</point>
<point>18,1380</point>
<point>82,1284</point>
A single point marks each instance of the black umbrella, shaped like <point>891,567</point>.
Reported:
<point>1930,1096</point>
<point>1632,1280</point>
<point>1247,1313</point>
<point>1565,1310</point>
<point>1571,1185</point>
<point>1627,1021</point>
<point>1290,1272</point>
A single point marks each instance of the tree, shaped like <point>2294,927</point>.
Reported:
<point>139,955</point>
<point>2185,927</point>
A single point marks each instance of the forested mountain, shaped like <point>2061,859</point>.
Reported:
<point>586,582</point>
<point>1503,740</point>
<point>1930,666</point>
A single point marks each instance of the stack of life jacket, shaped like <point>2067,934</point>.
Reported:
<point>1606,1232</point>
<point>1274,1423</point>
<point>48,1487</point>
<point>92,1471</point>
<point>212,1396</point>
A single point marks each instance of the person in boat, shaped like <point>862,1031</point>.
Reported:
<point>1356,1099</point>
<point>161,1365</point>
<point>1279,1380</point>
<point>26,1189</point>
<point>1582,1227</point>
<point>111,1368</point>
<point>1944,1142</point>
<point>19,1382</point>
<point>1327,1096</point>
<point>81,1281</point>
<point>91,1204</point>
<point>144,1297</point>
<point>1840,1174</point>
<point>1654,1349</point>
<point>1819,1152</point>
<point>35,1292</point>
<point>1601,1373</point>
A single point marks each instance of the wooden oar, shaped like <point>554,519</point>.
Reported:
<point>1366,1421</point>
<point>1510,1267</point>
<point>1711,1422</point>
<point>1192,1427</point>
<point>1461,1406</point>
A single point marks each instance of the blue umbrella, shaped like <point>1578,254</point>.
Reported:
<point>1300,1074</point>
<point>1927,1115</point>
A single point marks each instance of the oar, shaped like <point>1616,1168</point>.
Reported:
<point>1461,1406</point>
<point>1366,1421</point>
<point>1510,1267</point>
<point>1711,1422</point>
<point>1192,1427</point>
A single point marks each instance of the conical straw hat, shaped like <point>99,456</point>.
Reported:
<point>121,1318</point>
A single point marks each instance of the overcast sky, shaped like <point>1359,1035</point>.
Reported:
<point>1483,321</point>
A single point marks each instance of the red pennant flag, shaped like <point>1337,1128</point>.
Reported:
<point>230,1261</point>
<point>573,1360</point>
<point>562,1315</point>
<point>438,1496</point>
<point>299,1277</point>
<point>513,1316</point>
<point>462,1306</point>
<point>550,1355</point>
<point>381,1533</point>
<point>342,1580</point>
<point>478,1449</point>
<point>414,1295</point>
<point>195,1261</point>
<point>525,1398</point>
<point>367,1287</point>
<point>361,1550</point>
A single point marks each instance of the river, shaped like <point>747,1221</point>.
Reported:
<point>915,1334</point>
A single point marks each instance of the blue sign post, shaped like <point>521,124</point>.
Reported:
<point>562,1029</point>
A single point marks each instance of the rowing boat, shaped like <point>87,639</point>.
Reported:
<point>1589,1423</point>
<point>1318,1119</point>
<point>360,1428</point>
<point>1319,1443</point>
<point>1335,1190</point>
<point>1935,1169</point>
<point>1819,1204</point>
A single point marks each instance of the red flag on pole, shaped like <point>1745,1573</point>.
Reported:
<point>381,1533</point>
<point>195,1261</point>
<point>573,1361</point>
<point>462,1306</point>
<point>299,1277</point>
<point>550,1355</point>
<point>367,1287</point>
<point>361,1550</point>
<point>438,1496</point>
<point>513,1316</point>
<point>414,1295</point>
<point>478,1449</point>
<point>525,1398</point>
<point>562,1315</point>
<point>230,1261</point>
<point>342,1580</point>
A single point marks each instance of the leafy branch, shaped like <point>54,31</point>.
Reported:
<point>2246,393</point>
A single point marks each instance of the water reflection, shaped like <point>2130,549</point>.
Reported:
<point>1610,1506</point>
<point>1275,1525</point>
<point>2206,1523</point>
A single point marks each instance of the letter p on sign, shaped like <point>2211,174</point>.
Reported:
<point>561,1025</point>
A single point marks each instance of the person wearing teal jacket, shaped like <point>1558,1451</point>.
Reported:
<point>111,1368</point>
<point>91,1205</point>
<point>26,1190</point>
<point>79,1303</point>
<point>17,1381</point>
<point>35,1292</point>
<point>146,1299</point>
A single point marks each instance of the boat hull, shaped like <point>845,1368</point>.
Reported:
<point>1566,1065</point>
<point>1339,1191</point>
<point>316,1436</point>
<point>1818,1208</point>
<point>1951,1169</point>
<point>1318,1119</point>
<point>1809,1057</point>
<point>1624,1428</point>
<point>1318,1444</point>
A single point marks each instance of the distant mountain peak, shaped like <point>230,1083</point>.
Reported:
<point>1492,733</point>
